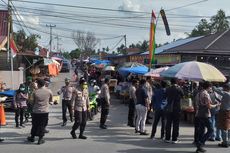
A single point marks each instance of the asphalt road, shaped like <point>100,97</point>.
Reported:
<point>118,138</point>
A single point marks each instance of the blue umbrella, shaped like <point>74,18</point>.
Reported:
<point>138,70</point>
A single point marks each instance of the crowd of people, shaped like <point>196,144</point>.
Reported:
<point>34,97</point>
<point>211,107</point>
<point>211,110</point>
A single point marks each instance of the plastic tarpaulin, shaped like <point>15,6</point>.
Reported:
<point>53,69</point>
<point>138,70</point>
<point>97,62</point>
<point>9,93</point>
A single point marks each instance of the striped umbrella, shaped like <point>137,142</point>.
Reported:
<point>195,71</point>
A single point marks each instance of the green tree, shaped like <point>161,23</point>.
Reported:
<point>144,45</point>
<point>107,49</point>
<point>219,22</point>
<point>66,55</point>
<point>203,28</point>
<point>122,49</point>
<point>75,53</point>
<point>25,42</point>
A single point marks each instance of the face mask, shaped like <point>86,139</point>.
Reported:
<point>22,89</point>
<point>84,86</point>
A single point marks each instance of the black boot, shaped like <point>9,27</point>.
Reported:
<point>73,134</point>
<point>41,140</point>
<point>30,139</point>
<point>81,136</point>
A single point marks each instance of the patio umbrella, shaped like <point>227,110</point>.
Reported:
<point>156,72</point>
<point>50,61</point>
<point>57,58</point>
<point>131,64</point>
<point>138,70</point>
<point>196,71</point>
<point>109,68</point>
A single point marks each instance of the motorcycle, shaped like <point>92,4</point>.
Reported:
<point>93,105</point>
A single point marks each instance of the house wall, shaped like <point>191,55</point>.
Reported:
<point>5,65</point>
<point>5,77</point>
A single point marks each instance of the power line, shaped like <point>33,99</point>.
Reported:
<point>110,17</point>
<point>81,7</point>
<point>68,37</point>
<point>117,43</point>
<point>176,8</point>
<point>82,21</point>
<point>81,15</point>
<point>4,2</point>
<point>19,17</point>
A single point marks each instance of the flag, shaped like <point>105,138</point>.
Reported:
<point>13,47</point>
<point>152,45</point>
<point>164,18</point>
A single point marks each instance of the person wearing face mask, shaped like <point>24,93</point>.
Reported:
<point>20,105</point>
<point>81,105</point>
<point>67,92</point>
<point>93,88</point>
<point>105,103</point>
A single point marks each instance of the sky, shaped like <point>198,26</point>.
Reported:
<point>182,18</point>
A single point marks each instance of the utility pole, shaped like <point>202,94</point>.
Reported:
<point>125,41</point>
<point>9,51</point>
<point>125,44</point>
<point>57,37</point>
<point>51,27</point>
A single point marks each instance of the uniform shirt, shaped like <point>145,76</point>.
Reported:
<point>132,93</point>
<point>105,93</point>
<point>67,92</point>
<point>42,97</point>
<point>81,99</point>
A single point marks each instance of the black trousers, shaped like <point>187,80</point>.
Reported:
<point>66,104</point>
<point>173,118</point>
<point>196,129</point>
<point>80,120</point>
<point>39,123</point>
<point>131,112</point>
<point>19,112</point>
<point>104,112</point>
<point>204,135</point>
<point>104,115</point>
<point>159,114</point>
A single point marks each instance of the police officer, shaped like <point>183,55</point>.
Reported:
<point>105,103</point>
<point>67,92</point>
<point>81,106</point>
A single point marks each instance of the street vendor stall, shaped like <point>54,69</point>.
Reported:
<point>45,68</point>
<point>193,71</point>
